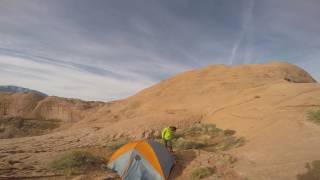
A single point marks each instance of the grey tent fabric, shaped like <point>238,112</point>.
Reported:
<point>121,164</point>
<point>165,158</point>
<point>140,169</point>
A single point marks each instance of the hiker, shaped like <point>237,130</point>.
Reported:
<point>167,136</point>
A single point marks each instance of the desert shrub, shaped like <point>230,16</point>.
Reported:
<point>316,165</point>
<point>202,172</point>
<point>230,142</point>
<point>48,124</point>
<point>184,144</point>
<point>229,158</point>
<point>313,172</point>
<point>207,137</point>
<point>200,129</point>
<point>76,162</point>
<point>314,116</point>
<point>210,129</point>
<point>229,132</point>
<point>239,142</point>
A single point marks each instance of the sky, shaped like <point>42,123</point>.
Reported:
<point>111,49</point>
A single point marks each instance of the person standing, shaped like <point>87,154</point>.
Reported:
<point>167,135</point>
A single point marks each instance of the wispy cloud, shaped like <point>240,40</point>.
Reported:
<point>245,34</point>
<point>67,81</point>
<point>111,49</point>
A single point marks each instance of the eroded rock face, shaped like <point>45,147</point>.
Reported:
<point>29,114</point>
<point>18,104</point>
<point>66,110</point>
<point>29,105</point>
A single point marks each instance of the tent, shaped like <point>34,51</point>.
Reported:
<point>142,160</point>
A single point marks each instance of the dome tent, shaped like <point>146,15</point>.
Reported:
<point>142,160</point>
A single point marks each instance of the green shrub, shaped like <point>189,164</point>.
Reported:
<point>198,134</point>
<point>76,162</point>
<point>183,144</point>
<point>48,124</point>
<point>313,172</point>
<point>229,132</point>
<point>211,129</point>
<point>207,137</point>
<point>316,165</point>
<point>202,172</point>
<point>314,116</point>
<point>230,142</point>
<point>200,129</point>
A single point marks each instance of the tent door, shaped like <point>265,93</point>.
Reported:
<point>137,170</point>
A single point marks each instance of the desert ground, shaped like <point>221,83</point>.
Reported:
<point>265,104</point>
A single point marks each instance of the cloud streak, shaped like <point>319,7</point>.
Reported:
<point>245,35</point>
<point>56,79</point>
<point>101,50</point>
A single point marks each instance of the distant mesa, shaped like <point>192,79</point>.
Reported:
<point>17,89</point>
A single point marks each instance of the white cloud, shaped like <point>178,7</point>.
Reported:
<point>63,81</point>
<point>111,49</point>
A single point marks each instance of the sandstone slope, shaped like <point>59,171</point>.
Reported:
<point>266,104</point>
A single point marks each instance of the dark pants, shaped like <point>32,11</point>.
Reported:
<point>168,144</point>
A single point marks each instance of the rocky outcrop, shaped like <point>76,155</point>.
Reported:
<point>34,106</point>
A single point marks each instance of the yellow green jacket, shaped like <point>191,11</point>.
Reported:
<point>167,134</point>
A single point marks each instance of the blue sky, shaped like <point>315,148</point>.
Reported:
<point>109,49</point>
